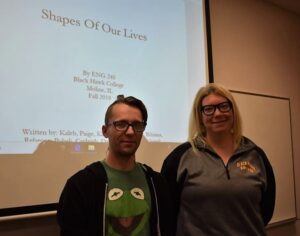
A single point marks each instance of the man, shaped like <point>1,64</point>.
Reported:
<point>117,196</point>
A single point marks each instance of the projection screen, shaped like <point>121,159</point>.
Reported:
<point>64,62</point>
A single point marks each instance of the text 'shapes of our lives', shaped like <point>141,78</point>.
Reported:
<point>93,25</point>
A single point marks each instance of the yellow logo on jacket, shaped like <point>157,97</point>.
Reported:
<point>246,165</point>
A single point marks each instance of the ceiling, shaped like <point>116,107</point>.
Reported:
<point>291,5</point>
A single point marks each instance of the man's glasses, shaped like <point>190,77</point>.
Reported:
<point>210,109</point>
<point>123,125</point>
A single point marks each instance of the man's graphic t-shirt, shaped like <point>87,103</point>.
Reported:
<point>128,202</point>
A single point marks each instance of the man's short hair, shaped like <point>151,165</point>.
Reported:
<point>130,101</point>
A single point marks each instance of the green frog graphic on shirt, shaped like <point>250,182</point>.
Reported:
<point>127,203</point>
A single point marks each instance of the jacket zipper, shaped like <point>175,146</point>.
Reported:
<point>156,204</point>
<point>227,171</point>
<point>225,166</point>
<point>104,207</point>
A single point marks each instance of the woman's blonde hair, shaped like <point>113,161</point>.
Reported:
<point>196,126</point>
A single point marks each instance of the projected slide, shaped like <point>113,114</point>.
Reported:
<point>64,62</point>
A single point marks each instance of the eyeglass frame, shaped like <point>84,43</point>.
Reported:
<point>132,124</point>
<point>215,106</point>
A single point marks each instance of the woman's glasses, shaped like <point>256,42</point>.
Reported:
<point>222,107</point>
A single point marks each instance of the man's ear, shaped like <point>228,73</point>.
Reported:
<point>104,130</point>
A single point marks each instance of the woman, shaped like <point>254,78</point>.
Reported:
<point>222,182</point>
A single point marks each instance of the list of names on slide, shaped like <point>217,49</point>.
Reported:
<point>62,135</point>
